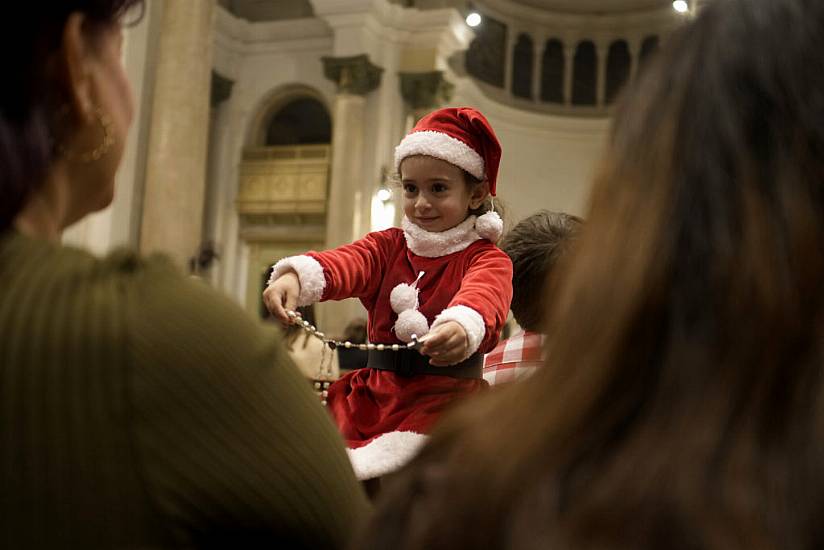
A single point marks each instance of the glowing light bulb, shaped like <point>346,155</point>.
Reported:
<point>384,194</point>
<point>473,19</point>
<point>680,6</point>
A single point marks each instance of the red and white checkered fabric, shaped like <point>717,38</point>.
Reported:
<point>514,358</point>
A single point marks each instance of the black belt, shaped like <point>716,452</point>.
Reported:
<point>410,363</point>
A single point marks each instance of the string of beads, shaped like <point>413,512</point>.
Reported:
<point>334,344</point>
<point>324,379</point>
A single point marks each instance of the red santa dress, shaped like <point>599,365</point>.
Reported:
<point>384,417</point>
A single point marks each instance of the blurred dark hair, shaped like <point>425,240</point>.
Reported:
<point>536,245</point>
<point>682,403</point>
<point>31,92</point>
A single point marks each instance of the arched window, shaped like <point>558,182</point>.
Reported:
<point>648,47</point>
<point>584,80</point>
<point>300,122</point>
<point>618,65</point>
<point>522,67</point>
<point>552,72</point>
<point>486,56</point>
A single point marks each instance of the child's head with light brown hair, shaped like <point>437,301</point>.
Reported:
<point>536,246</point>
<point>448,167</point>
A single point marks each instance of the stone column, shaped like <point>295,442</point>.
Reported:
<point>221,91</point>
<point>537,64</point>
<point>569,70</point>
<point>511,37</point>
<point>176,157</point>
<point>602,51</point>
<point>634,47</point>
<point>355,77</point>
<point>424,92</point>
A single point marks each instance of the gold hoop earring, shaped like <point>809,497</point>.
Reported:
<point>96,153</point>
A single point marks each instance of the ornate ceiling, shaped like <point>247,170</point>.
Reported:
<point>268,10</point>
<point>594,7</point>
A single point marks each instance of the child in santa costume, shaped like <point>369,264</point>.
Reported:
<point>440,278</point>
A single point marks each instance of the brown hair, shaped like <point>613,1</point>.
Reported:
<point>31,93</point>
<point>682,403</point>
<point>536,246</point>
<point>472,182</point>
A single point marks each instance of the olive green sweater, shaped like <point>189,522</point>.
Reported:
<point>141,409</point>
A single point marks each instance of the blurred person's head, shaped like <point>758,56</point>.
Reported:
<point>682,404</point>
<point>536,245</point>
<point>65,110</point>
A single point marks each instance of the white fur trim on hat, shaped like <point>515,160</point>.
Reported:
<point>441,146</point>
<point>431,244</point>
<point>385,454</point>
<point>471,321</point>
<point>310,275</point>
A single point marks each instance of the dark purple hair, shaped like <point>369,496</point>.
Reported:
<point>31,92</point>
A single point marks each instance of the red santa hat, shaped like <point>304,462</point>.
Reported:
<point>461,136</point>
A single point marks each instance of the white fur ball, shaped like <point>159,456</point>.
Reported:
<point>403,297</point>
<point>490,226</point>
<point>410,322</point>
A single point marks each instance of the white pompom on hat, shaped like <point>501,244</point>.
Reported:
<point>490,226</point>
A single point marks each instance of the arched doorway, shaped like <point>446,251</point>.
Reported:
<point>283,188</point>
<point>301,121</point>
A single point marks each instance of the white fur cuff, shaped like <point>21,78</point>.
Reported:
<point>310,274</point>
<point>471,321</point>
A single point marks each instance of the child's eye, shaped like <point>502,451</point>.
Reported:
<point>409,188</point>
<point>439,188</point>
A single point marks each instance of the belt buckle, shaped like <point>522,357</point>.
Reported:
<point>404,364</point>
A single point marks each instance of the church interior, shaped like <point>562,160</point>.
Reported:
<point>265,128</point>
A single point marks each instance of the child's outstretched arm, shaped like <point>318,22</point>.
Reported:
<point>352,270</point>
<point>479,308</point>
<point>282,294</point>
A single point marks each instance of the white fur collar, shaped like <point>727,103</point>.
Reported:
<point>433,245</point>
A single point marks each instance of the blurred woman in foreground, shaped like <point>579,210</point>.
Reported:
<point>139,408</point>
<point>682,402</point>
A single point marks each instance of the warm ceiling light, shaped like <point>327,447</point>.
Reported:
<point>681,6</point>
<point>473,19</point>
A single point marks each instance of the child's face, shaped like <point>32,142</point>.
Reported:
<point>436,196</point>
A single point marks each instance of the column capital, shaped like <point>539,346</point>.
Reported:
<point>353,75</point>
<point>425,90</point>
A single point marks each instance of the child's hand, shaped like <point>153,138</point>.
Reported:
<point>446,344</point>
<point>281,295</point>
